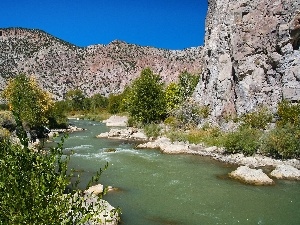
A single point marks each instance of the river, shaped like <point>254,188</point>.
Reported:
<point>159,189</point>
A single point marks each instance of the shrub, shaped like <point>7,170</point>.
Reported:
<point>282,142</point>
<point>7,120</point>
<point>258,119</point>
<point>288,113</point>
<point>152,130</point>
<point>245,140</point>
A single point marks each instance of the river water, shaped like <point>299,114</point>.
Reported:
<point>159,189</point>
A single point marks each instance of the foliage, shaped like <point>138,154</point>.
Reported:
<point>187,83</point>
<point>7,121</point>
<point>114,103</point>
<point>173,96</point>
<point>211,136</point>
<point>204,111</point>
<point>258,119</point>
<point>245,140</point>
<point>32,186</point>
<point>58,115</point>
<point>98,102</point>
<point>188,114</point>
<point>288,114</point>
<point>152,130</point>
<point>146,100</point>
<point>282,142</point>
<point>75,98</point>
<point>27,100</point>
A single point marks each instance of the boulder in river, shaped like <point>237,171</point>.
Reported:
<point>251,176</point>
<point>286,172</point>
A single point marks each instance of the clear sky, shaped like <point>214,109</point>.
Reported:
<point>169,24</point>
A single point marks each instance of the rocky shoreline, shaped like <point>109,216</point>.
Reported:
<point>250,167</point>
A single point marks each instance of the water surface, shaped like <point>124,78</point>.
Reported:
<point>159,189</point>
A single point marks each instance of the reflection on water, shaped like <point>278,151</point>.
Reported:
<point>177,189</point>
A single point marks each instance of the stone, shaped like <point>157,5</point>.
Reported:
<point>96,189</point>
<point>251,176</point>
<point>250,56</point>
<point>116,121</point>
<point>286,172</point>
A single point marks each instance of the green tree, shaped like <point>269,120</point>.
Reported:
<point>28,101</point>
<point>76,99</point>
<point>147,98</point>
<point>98,102</point>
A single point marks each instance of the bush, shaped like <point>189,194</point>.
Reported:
<point>288,113</point>
<point>258,119</point>
<point>7,120</point>
<point>282,142</point>
<point>152,130</point>
<point>245,140</point>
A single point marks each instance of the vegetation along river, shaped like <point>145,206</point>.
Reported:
<point>159,189</point>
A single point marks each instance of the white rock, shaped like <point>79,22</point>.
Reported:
<point>96,189</point>
<point>286,172</point>
<point>251,176</point>
<point>116,121</point>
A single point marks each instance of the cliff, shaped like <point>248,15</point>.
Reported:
<point>59,66</point>
<point>251,55</point>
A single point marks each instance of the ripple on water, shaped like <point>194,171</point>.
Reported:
<point>79,147</point>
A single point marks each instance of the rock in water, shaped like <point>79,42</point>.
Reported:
<point>286,172</point>
<point>251,176</point>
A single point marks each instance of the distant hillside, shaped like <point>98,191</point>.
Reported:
<point>60,66</point>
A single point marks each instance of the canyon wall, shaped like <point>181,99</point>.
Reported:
<point>251,55</point>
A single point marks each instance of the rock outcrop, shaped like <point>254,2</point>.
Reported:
<point>251,176</point>
<point>116,121</point>
<point>251,55</point>
<point>60,66</point>
<point>286,172</point>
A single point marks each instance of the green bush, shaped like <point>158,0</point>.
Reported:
<point>282,142</point>
<point>245,140</point>
<point>7,120</point>
<point>288,113</point>
<point>152,130</point>
<point>258,119</point>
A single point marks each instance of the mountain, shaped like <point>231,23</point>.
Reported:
<point>251,55</point>
<point>59,66</point>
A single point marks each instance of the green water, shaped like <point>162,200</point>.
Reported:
<point>158,189</point>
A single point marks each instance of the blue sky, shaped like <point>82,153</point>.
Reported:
<point>169,24</point>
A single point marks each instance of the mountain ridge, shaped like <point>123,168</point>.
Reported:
<point>60,66</point>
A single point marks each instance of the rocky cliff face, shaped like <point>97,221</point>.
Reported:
<point>251,55</point>
<point>60,66</point>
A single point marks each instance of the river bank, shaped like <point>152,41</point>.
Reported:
<point>283,169</point>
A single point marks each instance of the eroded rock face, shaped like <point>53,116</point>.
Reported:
<point>251,55</point>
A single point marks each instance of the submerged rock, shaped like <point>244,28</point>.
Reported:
<point>286,172</point>
<point>251,176</point>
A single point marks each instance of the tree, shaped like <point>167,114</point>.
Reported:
<point>173,96</point>
<point>76,98</point>
<point>147,99</point>
<point>98,102</point>
<point>28,101</point>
